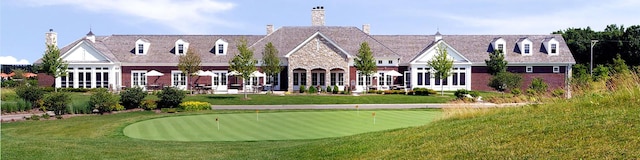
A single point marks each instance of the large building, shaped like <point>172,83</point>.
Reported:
<point>315,55</point>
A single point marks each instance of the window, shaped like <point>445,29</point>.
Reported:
<point>140,48</point>
<point>220,79</point>
<point>437,80</point>
<point>380,80</point>
<point>333,80</point>
<point>427,78</point>
<point>296,80</point>
<point>501,47</point>
<point>178,79</point>
<point>529,69</point>
<point>220,48</point>
<point>138,78</point>
<point>80,77</point>
<point>462,79</point>
<point>303,79</point>
<point>419,78</point>
<point>314,79</point>
<point>554,48</point>
<point>379,61</point>
<point>180,48</point>
<point>390,62</point>
<point>556,69</point>
<point>527,48</point>
<point>388,79</point>
<point>455,78</point>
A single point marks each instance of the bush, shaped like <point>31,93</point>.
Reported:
<point>35,117</point>
<point>8,95</point>
<point>558,92</point>
<point>170,97</point>
<point>302,88</point>
<point>505,81</point>
<point>58,101</point>
<point>538,85</point>
<point>461,93</point>
<point>531,91</point>
<point>195,106</point>
<point>516,91</point>
<point>30,93</point>
<point>149,104</point>
<point>23,105</point>
<point>103,100</point>
<point>475,94</point>
<point>336,89</point>
<point>329,89</point>
<point>46,116</point>
<point>9,84</point>
<point>9,107</point>
<point>80,107</point>
<point>118,107</point>
<point>423,92</point>
<point>312,89</point>
<point>132,97</point>
<point>58,116</point>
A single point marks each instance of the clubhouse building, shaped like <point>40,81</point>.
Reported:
<point>315,55</point>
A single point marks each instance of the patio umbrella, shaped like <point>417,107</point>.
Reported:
<point>233,73</point>
<point>394,73</point>
<point>206,73</point>
<point>154,73</point>
<point>257,74</point>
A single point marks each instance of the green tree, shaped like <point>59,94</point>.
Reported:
<point>600,72</point>
<point>619,66</point>
<point>52,64</point>
<point>365,63</point>
<point>496,63</point>
<point>243,63</point>
<point>189,64</point>
<point>581,75</point>
<point>442,65</point>
<point>170,97</point>
<point>505,81</point>
<point>271,62</point>
<point>132,97</point>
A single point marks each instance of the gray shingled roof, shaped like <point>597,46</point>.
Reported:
<point>285,39</point>
<point>476,48</point>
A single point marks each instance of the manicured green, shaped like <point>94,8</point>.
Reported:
<point>275,126</point>
<point>261,99</point>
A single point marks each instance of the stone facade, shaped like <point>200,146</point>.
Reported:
<point>317,54</point>
<point>317,16</point>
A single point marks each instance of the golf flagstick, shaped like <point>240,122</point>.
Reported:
<point>374,117</point>
<point>218,122</point>
<point>257,115</point>
<point>357,110</point>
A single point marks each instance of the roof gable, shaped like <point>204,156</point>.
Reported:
<point>428,54</point>
<point>85,52</point>
<point>318,35</point>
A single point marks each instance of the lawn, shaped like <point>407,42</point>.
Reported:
<point>275,126</point>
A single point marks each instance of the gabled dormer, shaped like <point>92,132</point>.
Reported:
<point>181,47</point>
<point>525,46</point>
<point>551,45</point>
<point>142,47</point>
<point>220,47</point>
<point>499,44</point>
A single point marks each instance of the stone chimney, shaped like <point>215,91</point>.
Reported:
<point>317,16</point>
<point>51,38</point>
<point>366,28</point>
<point>269,29</point>
<point>91,37</point>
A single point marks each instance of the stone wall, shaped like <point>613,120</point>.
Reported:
<point>317,54</point>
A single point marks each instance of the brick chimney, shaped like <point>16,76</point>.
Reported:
<point>269,29</point>
<point>51,38</point>
<point>317,16</point>
<point>366,28</point>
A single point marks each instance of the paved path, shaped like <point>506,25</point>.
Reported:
<point>365,106</point>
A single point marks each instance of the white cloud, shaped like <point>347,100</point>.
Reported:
<point>185,16</point>
<point>12,60</point>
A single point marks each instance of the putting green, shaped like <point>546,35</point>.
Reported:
<point>275,126</point>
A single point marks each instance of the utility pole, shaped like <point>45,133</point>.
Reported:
<point>593,43</point>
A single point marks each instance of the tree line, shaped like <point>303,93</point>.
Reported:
<point>613,40</point>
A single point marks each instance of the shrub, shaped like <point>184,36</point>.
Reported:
<point>149,104</point>
<point>474,94</point>
<point>312,89</point>
<point>423,92</point>
<point>558,92</point>
<point>35,117</point>
<point>9,107</point>
<point>103,100</point>
<point>9,84</point>
<point>30,93</point>
<point>336,89</point>
<point>516,91</point>
<point>302,88</point>
<point>8,95</point>
<point>195,106</point>
<point>329,89</point>
<point>23,105</point>
<point>538,85</point>
<point>46,116</point>
<point>505,81</point>
<point>58,101</point>
<point>80,107</point>
<point>170,97</point>
<point>531,91</point>
<point>461,93</point>
<point>118,107</point>
<point>132,97</point>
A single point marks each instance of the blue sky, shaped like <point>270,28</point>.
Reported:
<point>23,23</point>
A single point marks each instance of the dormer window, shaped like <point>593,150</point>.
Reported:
<point>499,44</point>
<point>551,45</point>
<point>390,61</point>
<point>180,48</point>
<point>221,47</point>
<point>141,47</point>
<point>525,46</point>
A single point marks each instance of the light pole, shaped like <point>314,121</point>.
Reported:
<point>593,43</point>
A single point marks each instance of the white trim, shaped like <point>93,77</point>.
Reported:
<point>92,48</point>
<point>414,61</point>
<point>224,44</point>
<point>144,83</point>
<point>556,69</point>
<point>529,69</point>
<point>185,47</point>
<point>145,47</point>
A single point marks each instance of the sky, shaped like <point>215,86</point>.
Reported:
<point>23,23</point>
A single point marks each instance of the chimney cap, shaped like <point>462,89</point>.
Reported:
<point>50,30</point>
